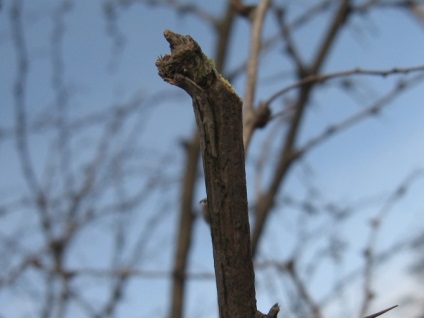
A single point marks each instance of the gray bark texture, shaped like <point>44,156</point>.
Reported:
<point>218,113</point>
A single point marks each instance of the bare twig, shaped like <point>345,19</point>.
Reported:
<point>252,71</point>
<point>370,250</point>
<point>380,312</point>
<point>266,201</point>
<point>287,37</point>
<point>374,109</point>
<point>19,91</point>
<point>320,78</point>
<point>303,292</point>
<point>185,229</point>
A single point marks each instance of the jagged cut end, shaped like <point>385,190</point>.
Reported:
<point>186,59</point>
<point>177,40</point>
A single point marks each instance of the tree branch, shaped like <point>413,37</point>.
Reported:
<point>218,113</point>
<point>266,201</point>
<point>320,78</point>
<point>249,120</point>
<point>186,224</point>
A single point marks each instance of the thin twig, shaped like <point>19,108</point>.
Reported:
<point>252,71</point>
<point>303,291</point>
<point>375,108</point>
<point>380,312</point>
<point>253,60</point>
<point>320,78</point>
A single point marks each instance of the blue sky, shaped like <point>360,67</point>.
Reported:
<point>366,161</point>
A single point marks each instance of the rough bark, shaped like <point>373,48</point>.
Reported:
<point>186,224</point>
<point>218,113</point>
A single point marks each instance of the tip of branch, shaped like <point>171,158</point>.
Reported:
<point>186,59</point>
<point>381,312</point>
<point>175,40</point>
<point>273,312</point>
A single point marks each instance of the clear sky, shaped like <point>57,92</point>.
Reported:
<point>87,63</point>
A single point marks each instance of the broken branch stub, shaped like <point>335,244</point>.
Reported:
<point>186,59</point>
<point>218,112</point>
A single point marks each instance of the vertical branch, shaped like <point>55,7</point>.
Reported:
<point>266,201</point>
<point>184,231</point>
<point>249,120</point>
<point>40,200</point>
<point>370,250</point>
<point>19,96</point>
<point>224,30</point>
<point>218,113</point>
<point>254,53</point>
<point>185,227</point>
<point>61,93</point>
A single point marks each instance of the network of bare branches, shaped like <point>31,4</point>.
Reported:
<point>99,213</point>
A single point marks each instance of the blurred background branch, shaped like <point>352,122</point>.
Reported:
<point>99,213</point>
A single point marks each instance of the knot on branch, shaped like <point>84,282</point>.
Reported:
<point>186,59</point>
<point>262,116</point>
